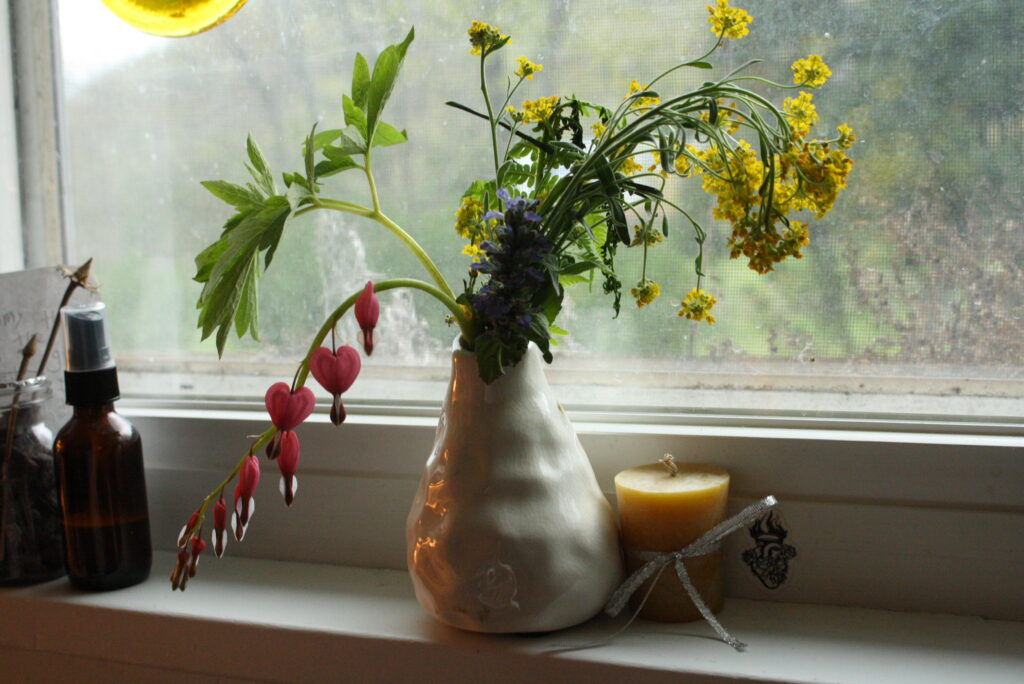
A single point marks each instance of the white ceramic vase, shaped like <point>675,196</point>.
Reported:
<point>509,531</point>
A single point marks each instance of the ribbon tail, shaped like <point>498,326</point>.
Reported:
<point>618,600</point>
<point>695,596</point>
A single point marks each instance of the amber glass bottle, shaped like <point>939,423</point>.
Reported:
<point>99,466</point>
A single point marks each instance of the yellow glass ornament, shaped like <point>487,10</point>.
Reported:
<point>174,18</point>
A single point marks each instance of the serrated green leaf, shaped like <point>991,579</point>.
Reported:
<point>235,195</point>
<point>333,166</point>
<point>206,259</point>
<point>385,71</point>
<point>570,280</point>
<point>260,170</point>
<point>360,81</point>
<point>386,135</point>
<point>354,114</point>
<point>230,266</point>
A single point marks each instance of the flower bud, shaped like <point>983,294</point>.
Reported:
<point>288,462</point>
<point>367,312</point>
<point>220,532</point>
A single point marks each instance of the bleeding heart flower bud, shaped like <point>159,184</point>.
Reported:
<point>179,576</point>
<point>198,545</point>
<point>220,532</point>
<point>245,504</point>
<point>367,312</point>
<point>288,409</point>
<point>288,462</point>
<point>187,529</point>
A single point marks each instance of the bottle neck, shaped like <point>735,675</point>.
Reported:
<point>97,411</point>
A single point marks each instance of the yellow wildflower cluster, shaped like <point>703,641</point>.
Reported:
<point>646,235</point>
<point>697,306</point>
<point>730,22</point>
<point>598,128</point>
<point>536,111</point>
<point>630,165</point>
<point>483,37</point>
<point>812,174</point>
<point>811,71</point>
<point>645,292</point>
<point>802,113</point>
<point>641,102</point>
<point>846,136</point>
<point>470,225</point>
<point>526,68</point>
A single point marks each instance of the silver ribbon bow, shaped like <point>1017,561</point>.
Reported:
<point>656,562</point>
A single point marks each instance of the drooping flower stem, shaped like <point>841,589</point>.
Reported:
<point>397,230</point>
<point>490,114</point>
<point>302,373</point>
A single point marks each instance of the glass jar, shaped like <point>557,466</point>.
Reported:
<point>31,536</point>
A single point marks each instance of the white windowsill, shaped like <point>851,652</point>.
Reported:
<point>267,620</point>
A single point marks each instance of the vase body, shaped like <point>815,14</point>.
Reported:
<point>509,531</point>
<point>31,548</point>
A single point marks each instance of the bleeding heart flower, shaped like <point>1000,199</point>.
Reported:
<point>288,462</point>
<point>220,532</point>
<point>367,313</point>
<point>336,372</point>
<point>245,504</point>
<point>288,409</point>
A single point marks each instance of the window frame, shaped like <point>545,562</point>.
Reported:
<point>949,472</point>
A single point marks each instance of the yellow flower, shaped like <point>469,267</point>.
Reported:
<point>646,235</point>
<point>467,218</point>
<point>811,72</point>
<point>526,68</point>
<point>536,111</point>
<point>473,251</point>
<point>697,306</point>
<point>645,292</point>
<point>483,37</point>
<point>802,114</point>
<point>730,22</point>
<point>635,87</point>
<point>599,128</point>
<point>846,136</point>
<point>629,166</point>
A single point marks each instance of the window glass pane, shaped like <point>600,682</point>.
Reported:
<point>909,298</point>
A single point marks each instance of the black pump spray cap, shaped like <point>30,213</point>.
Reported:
<point>91,377</point>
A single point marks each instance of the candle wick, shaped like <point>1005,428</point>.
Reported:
<point>669,461</point>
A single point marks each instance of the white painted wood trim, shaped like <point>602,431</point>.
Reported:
<point>269,621</point>
<point>885,520</point>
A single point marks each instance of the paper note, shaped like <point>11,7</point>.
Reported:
<point>29,302</point>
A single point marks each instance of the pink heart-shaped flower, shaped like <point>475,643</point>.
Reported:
<point>288,409</point>
<point>335,372</point>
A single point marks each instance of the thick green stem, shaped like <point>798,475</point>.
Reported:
<point>376,215</point>
<point>490,115</point>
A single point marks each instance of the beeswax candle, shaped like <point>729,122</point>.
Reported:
<point>662,511</point>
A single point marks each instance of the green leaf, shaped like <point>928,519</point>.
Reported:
<point>324,138</point>
<point>579,267</point>
<point>569,280</point>
<point>298,196</point>
<point>698,65</point>
<point>354,114</point>
<point>309,154</point>
<point>385,71</point>
<point>555,330</point>
<point>235,195</point>
<point>260,170</point>
<point>360,81</point>
<point>386,134</point>
<point>247,316</point>
<point>230,269</point>
<point>333,166</point>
